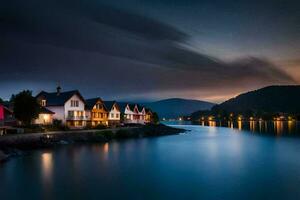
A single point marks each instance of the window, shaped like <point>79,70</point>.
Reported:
<point>117,115</point>
<point>112,115</point>
<point>71,113</point>
<point>99,106</point>
<point>43,102</point>
<point>74,103</point>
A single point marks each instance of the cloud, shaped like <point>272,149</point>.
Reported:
<point>114,53</point>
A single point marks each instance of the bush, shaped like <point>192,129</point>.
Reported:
<point>100,126</point>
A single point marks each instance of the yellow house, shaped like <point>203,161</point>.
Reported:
<point>96,112</point>
<point>148,118</point>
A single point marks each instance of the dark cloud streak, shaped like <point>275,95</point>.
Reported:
<point>95,47</point>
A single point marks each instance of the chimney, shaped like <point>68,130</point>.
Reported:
<point>58,89</point>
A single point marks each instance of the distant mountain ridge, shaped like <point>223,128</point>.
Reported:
<point>284,99</point>
<point>176,107</point>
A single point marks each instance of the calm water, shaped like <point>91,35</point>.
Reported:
<point>206,163</point>
<point>276,128</point>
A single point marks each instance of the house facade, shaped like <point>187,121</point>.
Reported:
<point>96,112</point>
<point>6,116</point>
<point>68,107</point>
<point>114,113</point>
<point>133,114</point>
<point>148,117</point>
<point>45,117</point>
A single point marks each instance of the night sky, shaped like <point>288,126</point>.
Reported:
<point>149,49</point>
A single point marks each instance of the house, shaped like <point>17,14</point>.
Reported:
<point>133,114</point>
<point>141,114</point>
<point>148,117</point>
<point>68,107</point>
<point>114,113</point>
<point>96,112</point>
<point>6,116</point>
<point>45,116</point>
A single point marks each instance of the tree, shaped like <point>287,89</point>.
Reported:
<point>26,107</point>
<point>1,101</point>
<point>155,118</point>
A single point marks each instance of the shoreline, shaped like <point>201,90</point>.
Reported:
<point>16,145</point>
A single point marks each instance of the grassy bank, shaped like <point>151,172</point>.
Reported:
<point>12,145</point>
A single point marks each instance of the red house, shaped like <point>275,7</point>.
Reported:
<point>6,116</point>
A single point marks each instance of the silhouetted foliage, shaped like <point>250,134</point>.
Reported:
<point>264,103</point>
<point>25,107</point>
<point>155,118</point>
<point>269,99</point>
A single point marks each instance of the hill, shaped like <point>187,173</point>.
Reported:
<point>175,107</point>
<point>270,99</point>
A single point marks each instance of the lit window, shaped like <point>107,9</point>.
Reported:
<point>43,103</point>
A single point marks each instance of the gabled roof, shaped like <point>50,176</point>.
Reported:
<point>140,108</point>
<point>122,106</point>
<point>44,110</point>
<point>109,104</point>
<point>55,99</point>
<point>131,106</point>
<point>6,109</point>
<point>148,110</point>
<point>90,103</point>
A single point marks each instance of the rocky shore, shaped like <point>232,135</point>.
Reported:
<point>15,145</point>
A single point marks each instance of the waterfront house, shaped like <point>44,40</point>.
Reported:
<point>114,114</point>
<point>68,107</point>
<point>45,117</point>
<point>96,112</point>
<point>133,114</point>
<point>6,116</point>
<point>148,117</point>
<point>141,114</point>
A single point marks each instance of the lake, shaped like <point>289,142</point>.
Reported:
<point>205,163</point>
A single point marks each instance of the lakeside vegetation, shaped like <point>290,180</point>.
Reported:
<point>269,103</point>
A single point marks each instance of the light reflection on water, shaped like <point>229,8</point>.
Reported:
<point>277,128</point>
<point>206,163</point>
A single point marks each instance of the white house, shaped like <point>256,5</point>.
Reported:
<point>114,114</point>
<point>69,107</point>
<point>133,114</point>
<point>142,114</point>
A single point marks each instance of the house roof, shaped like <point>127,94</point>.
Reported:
<point>44,110</point>
<point>131,106</point>
<point>140,107</point>
<point>6,109</point>
<point>148,110</point>
<point>122,106</point>
<point>55,99</point>
<point>109,104</point>
<point>90,103</point>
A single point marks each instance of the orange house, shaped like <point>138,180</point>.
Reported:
<point>148,118</point>
<point>96,112</point>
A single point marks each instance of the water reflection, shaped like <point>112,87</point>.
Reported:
<point>277,128</point>
<point>47,165</point>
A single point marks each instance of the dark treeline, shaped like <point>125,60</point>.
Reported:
<point>267,103</point>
